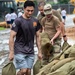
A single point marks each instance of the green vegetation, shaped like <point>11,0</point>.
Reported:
<point>63,1</point>
<point>2,28</point>
<point>51,2</point>
<point>59,2</point>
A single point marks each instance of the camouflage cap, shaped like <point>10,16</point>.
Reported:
<point>47,9</point>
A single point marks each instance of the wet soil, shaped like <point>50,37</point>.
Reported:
<point>70,32</point>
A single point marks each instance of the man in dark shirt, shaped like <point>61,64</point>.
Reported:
<point>22,50</point>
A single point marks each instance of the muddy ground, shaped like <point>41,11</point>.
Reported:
<point>70,32</point>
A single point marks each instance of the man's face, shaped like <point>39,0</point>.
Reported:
<point>49,16</point>
<point>41,9</point>
<point>28,11</point>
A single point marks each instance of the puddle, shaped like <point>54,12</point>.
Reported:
<point>3,58</point>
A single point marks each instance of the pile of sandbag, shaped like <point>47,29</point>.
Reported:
<point>63,64</point>
<point>46,46</point>
<point>56,64</point>
<point>47,50</point>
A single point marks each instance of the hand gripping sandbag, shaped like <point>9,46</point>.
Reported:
<point>45,43</point>
<point>9,69</point>
<point>64,45</point>
<point>37,66</point>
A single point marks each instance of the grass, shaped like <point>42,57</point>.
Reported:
<point>2,28</point>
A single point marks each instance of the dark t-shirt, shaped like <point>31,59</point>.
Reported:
<point>26,29</point>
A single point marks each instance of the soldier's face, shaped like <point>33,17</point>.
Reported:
<point>49,16</point>
<point>28,11</point>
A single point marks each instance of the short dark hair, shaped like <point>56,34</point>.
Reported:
<point>29,3</point>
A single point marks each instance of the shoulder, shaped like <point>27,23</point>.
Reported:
<point>18,19</point>
<point>34,19</point>
<point>55,12</point>
<point>17,22</point>
<point>43,19</point>
<point>15,14</point>
<point>55,18</point>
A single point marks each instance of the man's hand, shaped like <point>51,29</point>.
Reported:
<point>52,42</point>
<point>64,38</point>
<point>11,56</point>
<point>39,55</point>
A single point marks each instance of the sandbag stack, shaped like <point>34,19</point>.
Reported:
<point>63,64</point>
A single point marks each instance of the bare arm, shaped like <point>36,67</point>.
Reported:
<point>11,45</point>
<point>62,29</point>
<point>63,32</point>
<point>56,35</point>
<point>38,42</point>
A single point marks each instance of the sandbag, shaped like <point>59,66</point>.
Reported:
<point>47,67</point>
<point>45,42</point>
<point>66,69</point>
<point>9,69</point>
<point>63,52</point>
<point>3,24</point>
<point>37,67</point>
<point>70,51</point>
<point>46,46</point>
<point>44,38</point>
<point>64,45</point>
<point>61,63</point>
<point>57,73</point>
<point>61,55</point>
<point>71,70</point>
<point>61,71</point>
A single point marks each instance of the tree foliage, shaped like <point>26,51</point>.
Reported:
<point>63,1</point>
